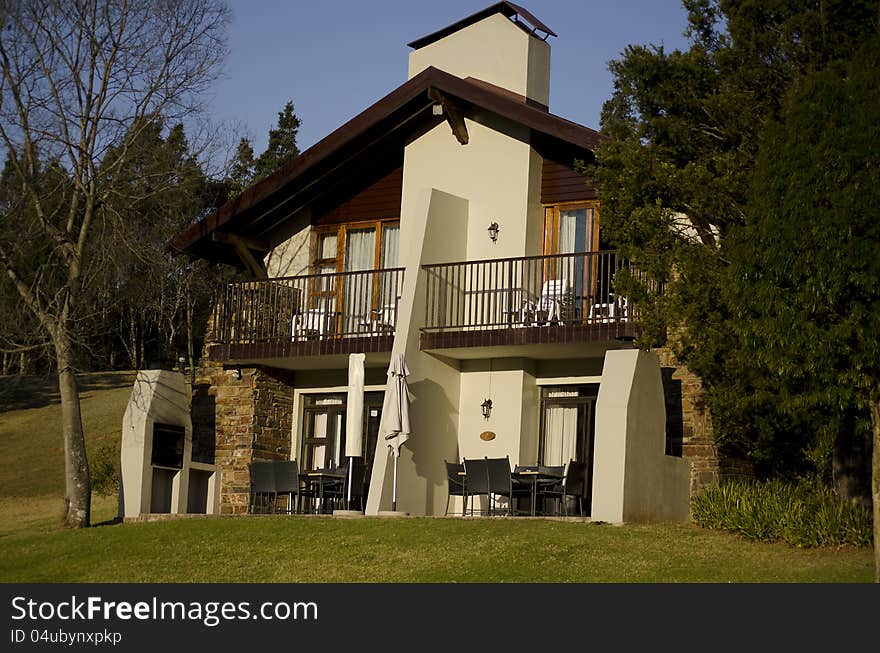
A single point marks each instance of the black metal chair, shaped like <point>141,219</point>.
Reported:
<point>335,489</point>
<point>287,482</point>
<point>455,481</point>
<point>358,485</point>
<point>262,474</point>
<point>476,474</point>
<point>549,488</point>
<point>574,486</point>
<point>501,484</point>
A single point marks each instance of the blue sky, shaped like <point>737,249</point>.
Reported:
<point>334,58</point>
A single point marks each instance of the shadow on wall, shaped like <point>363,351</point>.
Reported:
<point>434,438</point>
<point>204,414</point>
<point>674,412</point>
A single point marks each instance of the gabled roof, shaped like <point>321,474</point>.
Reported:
<point>517,13</point>
<point>368,144</point>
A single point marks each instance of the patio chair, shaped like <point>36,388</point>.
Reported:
<point>501,484</point>
<point>334,489</point>
<point>313,323</point>
<point>549,488</point>
<point>455,482</point>
<point>477,478</point>
<point>554,303</point>
<point>616,309</point>
<point>287,482</point>
<point>262,474</point>
<point>358,474</point>
<point>574,486</point>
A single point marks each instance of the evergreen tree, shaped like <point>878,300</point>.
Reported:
<point>241,171</point>
<point>806,266</point>
<point>675,182</point>
<point>282,144</point>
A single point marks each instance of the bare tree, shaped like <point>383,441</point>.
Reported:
<point>80,78</point>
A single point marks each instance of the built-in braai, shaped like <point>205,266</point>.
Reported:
<point>168,445</point>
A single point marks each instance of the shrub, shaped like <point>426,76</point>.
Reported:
<point>104,470</point>
<point>806,513</point>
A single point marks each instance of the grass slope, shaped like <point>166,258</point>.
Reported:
<point>323,549</point>
<point>30,428</point>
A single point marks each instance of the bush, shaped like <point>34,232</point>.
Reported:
<point>805,514</point>
<point>104,470</point>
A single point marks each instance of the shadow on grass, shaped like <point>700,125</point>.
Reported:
<point>108,522</point>
<point>23,392</point>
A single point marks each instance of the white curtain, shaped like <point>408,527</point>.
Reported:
<point>560,431</point>
<point>390,290</point>
<point>390,246</point>
<point>575,236</point>
<point>360,254</point>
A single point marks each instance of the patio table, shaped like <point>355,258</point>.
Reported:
<point>535,477</point>
<point>323,478</point>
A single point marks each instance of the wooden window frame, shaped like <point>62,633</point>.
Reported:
<point>341,231</point>
<point>551,242</point>
<point>551,223</point>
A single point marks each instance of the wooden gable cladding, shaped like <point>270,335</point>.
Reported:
<point>377,200</point>
<point>560,182</point>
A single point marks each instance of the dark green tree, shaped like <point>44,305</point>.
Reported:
<point>79,78</point>
<point>158,191</point>
<point>241,169</point>
<point>282,144</point>
<point>675,182</point>
<point>806,266</point>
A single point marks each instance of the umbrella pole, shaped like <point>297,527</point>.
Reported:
<point>350,470</point>
<point>394,486</point>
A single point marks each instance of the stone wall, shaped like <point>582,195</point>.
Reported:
<point>251,418</point>
<point>688,421</point>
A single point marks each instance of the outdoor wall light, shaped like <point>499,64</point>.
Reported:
<point>486,408</point>
<point>236,374</point>
<point>493,231</point>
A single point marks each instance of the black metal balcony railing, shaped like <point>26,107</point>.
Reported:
<point>312,307</point>
<point>567,290</point>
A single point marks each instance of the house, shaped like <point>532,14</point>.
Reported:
<point>447,223</point>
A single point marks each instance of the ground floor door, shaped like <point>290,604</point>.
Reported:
<point>568,423</point>
<point>323,435</point>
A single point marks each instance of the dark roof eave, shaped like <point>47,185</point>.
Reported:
<point>472,94</point>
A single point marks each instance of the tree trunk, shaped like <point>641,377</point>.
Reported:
<point>22,364</point>
<point>850,463</point>
<point>5,364</point>
<point>78,496</point>
<point>875,479</point>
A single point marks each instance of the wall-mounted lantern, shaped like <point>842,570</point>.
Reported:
<point>486,408</point>
<point>493,231</point>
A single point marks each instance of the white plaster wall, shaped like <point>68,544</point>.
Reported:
<point>530,418</point>
<point>290,258</point>
<point>492,172</point>
<point>156,396</point>
<point>433,229</point>
<point>505,420</point>
<point>633,479</point>
<point>493,50</point>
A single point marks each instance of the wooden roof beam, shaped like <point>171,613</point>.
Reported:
<point>243,246</point>
<point>454,115</point>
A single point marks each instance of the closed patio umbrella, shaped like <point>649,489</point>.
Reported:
<point>395,413</point>
<point>354,415</point>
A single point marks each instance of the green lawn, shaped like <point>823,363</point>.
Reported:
<point>30,428</point>
<point>288,549</point>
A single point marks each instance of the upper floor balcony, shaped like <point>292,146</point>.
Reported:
<point>535,306</point>
<point>527,305</point>
<point>306,316</point>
